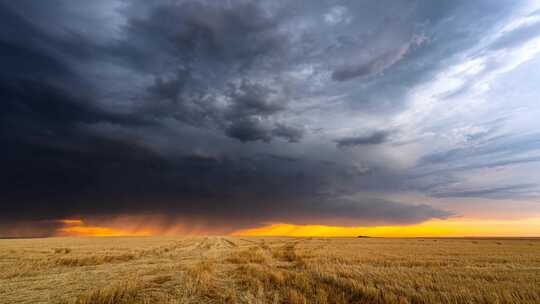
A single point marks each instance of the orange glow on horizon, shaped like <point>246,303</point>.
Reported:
<point>70,221</point>
<point>99,231</point>
<point>433,228</point>
<point>132,225</point>
<point>461,227</point>
<point>77,227</point>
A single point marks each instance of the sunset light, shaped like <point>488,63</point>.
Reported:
<point>433,228</point>
<point>98,231</point>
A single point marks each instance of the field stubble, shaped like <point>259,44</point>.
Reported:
<point>269,270</point>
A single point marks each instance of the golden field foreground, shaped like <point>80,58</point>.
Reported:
<point>269,270</point>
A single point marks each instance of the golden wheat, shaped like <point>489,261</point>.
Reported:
<point>269,270</point>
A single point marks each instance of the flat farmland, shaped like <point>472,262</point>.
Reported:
<point>269,270</point>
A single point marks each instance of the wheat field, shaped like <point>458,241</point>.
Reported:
<point>269,270</point>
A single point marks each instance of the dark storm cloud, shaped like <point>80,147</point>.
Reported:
<point>250,99</point>
<point>248,130</point>
<point>236,193</point>
<point>290,133</point>
<point>374,138</point>
<point>368,211</point>
<point>196,110</point>
<point>28,51</point>
<point>42,94</point>
<point>214,49</point>
<point>231,35</point>
<point>16,229</point>
<point>254,129</point>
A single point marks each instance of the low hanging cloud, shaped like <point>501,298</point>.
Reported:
<point>367,212</point>
<point>217,194</point>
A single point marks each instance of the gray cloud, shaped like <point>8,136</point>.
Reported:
<point>368,212</point>
<point>518,191</point>
<point>248,130</point>
<point>232,36</point>
<point>290,133</point>
<point>214,49</point>
<point>501,145</point>
<point>377,64</point>
<point>374,138</point>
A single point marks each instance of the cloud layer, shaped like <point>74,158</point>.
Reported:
<point>236,114</point>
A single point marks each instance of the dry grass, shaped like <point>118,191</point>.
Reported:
<point>269,270</point>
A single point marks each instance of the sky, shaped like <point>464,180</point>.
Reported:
<point>384,118</point>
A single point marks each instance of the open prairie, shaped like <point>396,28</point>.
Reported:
<point>269,270</point>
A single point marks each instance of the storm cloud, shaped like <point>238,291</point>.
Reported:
<point>375,138</point>
<point>231,115</point>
